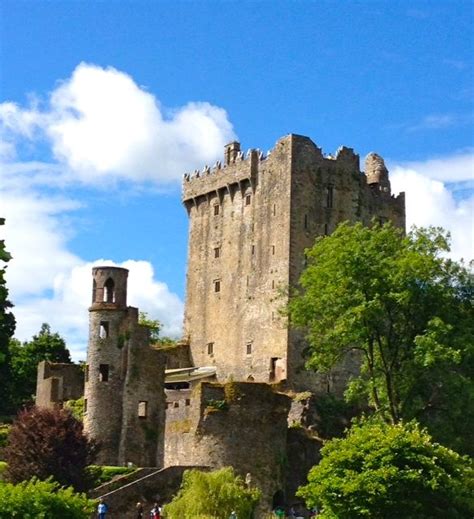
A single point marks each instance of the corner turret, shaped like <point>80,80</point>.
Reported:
<point>376,172</point>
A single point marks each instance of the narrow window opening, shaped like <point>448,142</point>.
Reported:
<point>104,329</point>
<point>210,348</point>
<point>94,291</point>
<point>85,405</point>
<point>274,209</point>
<point>253,250</point>
<point>248,199</point>
<point>217,285</point>
<point>187,401</point>
<point>176,404</point>
<point>252,227</point>
<point>217,252</point>
<point>109,291</point>
<point>103,372</point>
<point>273,283</point>
<point>305,221</point>
<point>142,409</point>
<point>329,196</point>
<point>216,209</point>
<point>326,229</point>
<point>247,281</point>
<point>273,316</point>
<point>249,348</point>
<point>273,249</point>
<point>86,373</point>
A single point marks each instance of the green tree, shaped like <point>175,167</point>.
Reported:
<point>47,443</point>
<point>7,328</point>
<point>213,495</point>
<point>155,327</point>
<point>402,305</point>
<point>25,358</point>
<point>384,471</point>
<point>35,499</point>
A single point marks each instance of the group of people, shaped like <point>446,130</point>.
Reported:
<point>155,512</point>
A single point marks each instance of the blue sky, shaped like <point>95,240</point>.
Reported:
<point>104,105</point>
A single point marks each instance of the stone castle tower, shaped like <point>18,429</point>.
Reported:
<point>250,220</point>
<point>124,379</point>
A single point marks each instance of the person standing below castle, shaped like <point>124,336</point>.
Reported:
<point>139,509</point>
<point>102,509</point>
<point>155,512</point>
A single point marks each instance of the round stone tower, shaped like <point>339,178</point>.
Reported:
<point>106,360</point>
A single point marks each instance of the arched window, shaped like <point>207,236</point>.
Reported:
<point>109,291</point>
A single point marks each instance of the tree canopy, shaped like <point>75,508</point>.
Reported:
<point>213,494</point>
<point>405,307</point>
<point>47,443</point>
<point>384,471</point>
<point>7,328</point>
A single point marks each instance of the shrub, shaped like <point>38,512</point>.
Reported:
<point>98,475</point>
<point>381,470</point>
<point>213,495</point>
<point>42,500</point>
<point>47,443</point>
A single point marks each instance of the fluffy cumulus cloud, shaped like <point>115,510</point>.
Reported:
<point>100,123</point>
<point>433,189</point>
<point>96,125</point>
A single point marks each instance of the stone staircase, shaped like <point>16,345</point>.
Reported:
<point>146,485</point>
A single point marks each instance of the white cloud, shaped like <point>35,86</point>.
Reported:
<point>430,202</point>
<point>456,167</point>
<point>101,125</point>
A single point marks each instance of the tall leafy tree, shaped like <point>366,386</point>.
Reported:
<point>387,471</point>
<point>25,357</point>
<point>407,310</point>
<point>7,328</point>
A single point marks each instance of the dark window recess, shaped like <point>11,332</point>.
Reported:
<point>104,372</point>
<point>247,281</point>
<point>85,405</point>
<point>187,401</point>
<point>210,348</point>
<point>273,249</point>
<point>142,409</point>
<point>326,229</point>
<point>253,249</point>
<point>216,209</point>
<point>109,291</point>
<point>274,209</point>
<point>305,221</point>
<point>104,329</point>
<point>86,373</point>
<point>329,196</point>
<point>249,348</point>
<point>217,286</point>
<point>248,199</point>
<point>176,404</point>
<point>273,283</point>
<point>217,252</point>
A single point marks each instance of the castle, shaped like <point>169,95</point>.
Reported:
<point>223,395</point>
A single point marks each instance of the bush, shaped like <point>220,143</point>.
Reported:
<point>381,470</point>
<point>42,500</point>
<point>212,495</point>
<point>98,475</point>
<point>47,443</point>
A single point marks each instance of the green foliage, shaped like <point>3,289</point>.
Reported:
<point>3,467</point>
<point>7,328</point>
<point>334,415</point>
<point>48,442</point>
<point>384,471</point>
<point>155,327</point>
<point>42,500</point>
<point>213,495</point>
<point>217,405</point>
<point>405,309</point>
<point>99,474</point>
<point>46,345</point>
<point>76,407</point>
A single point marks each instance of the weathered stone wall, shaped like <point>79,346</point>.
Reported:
<point>241,214</point>
<point>58,382</point>
<point>178,356</point>
<point>243,425</point>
